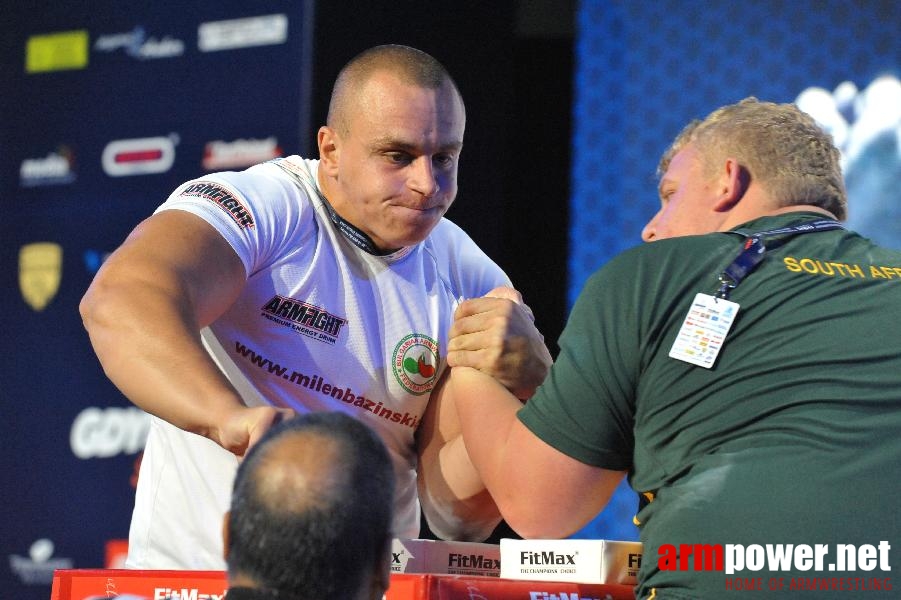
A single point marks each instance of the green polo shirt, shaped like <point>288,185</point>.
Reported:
<point>792,437</point>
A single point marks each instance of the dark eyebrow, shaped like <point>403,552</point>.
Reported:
<point>397,144</point>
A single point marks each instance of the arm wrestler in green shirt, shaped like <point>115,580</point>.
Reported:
<point>784,432</point>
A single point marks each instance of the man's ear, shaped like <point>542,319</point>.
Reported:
<point>329,150</point>
<point>733,182</point>
<point>225,534</point>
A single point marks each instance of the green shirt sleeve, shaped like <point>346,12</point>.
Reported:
<point>585,408</point>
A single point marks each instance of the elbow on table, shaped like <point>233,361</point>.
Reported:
<point>530,522</point>
<point>451,526</point>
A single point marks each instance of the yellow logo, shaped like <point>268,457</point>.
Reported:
<point>62,51</point>
<point>40,271</point>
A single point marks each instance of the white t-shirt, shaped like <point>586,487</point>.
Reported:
<point>320,325</point>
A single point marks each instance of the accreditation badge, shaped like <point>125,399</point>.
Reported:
<point>704,329</point>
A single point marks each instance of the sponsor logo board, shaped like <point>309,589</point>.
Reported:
<point>57,168</point>
<point>219,155</point>
<point>40,273</point>
<point>137,44</point>
<point>586,561</point>
<point>106,432</point>
<point>264,30</point>
<point>438,556</point>
<point>140,156</point>
<point>60,51</point>
<point>37,568</point>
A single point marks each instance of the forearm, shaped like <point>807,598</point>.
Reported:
<point>487,411</point>
<point>149,347</point>
<point>521,470</point>
<point>454,499</point>
<point>144,311</point>
<point>453,496</point>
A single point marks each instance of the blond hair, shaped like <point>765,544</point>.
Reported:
<point>782,148</point>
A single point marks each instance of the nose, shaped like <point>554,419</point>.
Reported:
<point>649,231</point>
<point>422,177</point>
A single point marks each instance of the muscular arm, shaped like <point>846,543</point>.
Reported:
<point>541,492</point>
<point>495,334</point>
<point>172,276</point>
<point>454,499</point>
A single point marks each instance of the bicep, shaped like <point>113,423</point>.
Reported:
<point>177,255</point>
<point>563,493</point>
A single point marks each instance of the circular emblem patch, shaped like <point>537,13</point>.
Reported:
<point>416,363</point>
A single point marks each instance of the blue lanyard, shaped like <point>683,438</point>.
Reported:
<point>754,250</point>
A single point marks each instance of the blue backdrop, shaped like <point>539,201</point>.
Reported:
<point>106,107</point>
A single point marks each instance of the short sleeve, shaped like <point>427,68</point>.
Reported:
<point>261,215</point>
<point>466,270</point>
<point>585,407</point>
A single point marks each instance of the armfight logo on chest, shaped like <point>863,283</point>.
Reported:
<point>304,318</point>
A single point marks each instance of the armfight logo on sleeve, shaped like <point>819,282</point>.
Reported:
<point>222,197</point>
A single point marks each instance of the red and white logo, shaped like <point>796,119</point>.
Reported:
<point>416,361</point>
<point>141,156</point>
<point>220,154</point>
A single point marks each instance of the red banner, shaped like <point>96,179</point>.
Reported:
<point>97,584</point>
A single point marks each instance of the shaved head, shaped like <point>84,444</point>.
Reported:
<point>409,65</point>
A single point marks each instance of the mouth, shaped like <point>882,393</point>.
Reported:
<point>421,209</point>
